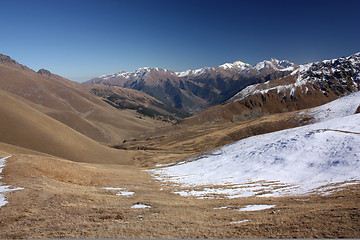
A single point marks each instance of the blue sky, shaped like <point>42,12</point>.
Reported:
<point>81,39</point>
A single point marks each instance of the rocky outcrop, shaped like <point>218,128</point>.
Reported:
<point>8,61</point>
<point>358,110</point>
<point>44,72</point>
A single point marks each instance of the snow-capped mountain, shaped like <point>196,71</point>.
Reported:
<point>336,76</point>
<point>237,67</point>
<point>274,65</point>
<point>316,158</point>
<point>307,86</point>
<point>136,74</point>
<point>195,90</point>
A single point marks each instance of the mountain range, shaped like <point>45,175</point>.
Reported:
<point>83,152</point>
<point>307,86</point>
<point>192,91</point>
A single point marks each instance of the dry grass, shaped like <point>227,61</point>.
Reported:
<point>179,142</point>
<point>72,104</point>
<point>64,199</point>
<point>25,127</point>
<point>45,121</point>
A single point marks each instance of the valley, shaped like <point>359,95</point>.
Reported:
<point>111,158</point>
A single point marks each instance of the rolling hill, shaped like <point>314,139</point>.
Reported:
<point>25,127</point>
<point>72,104</point>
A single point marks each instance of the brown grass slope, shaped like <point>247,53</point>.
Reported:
<point>179,142</point>
<point>142,103</point>
<point>72,104</point>
<point>64,199</point>
<point>26,127</point>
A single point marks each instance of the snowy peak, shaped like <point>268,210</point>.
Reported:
<point>336,76</point>
<point>238,65</point>
<point>285,64</point>
<point>194,90</point>
<point>196,72</point>
<point>274,65</point>
<point>138,73</point>
<point>115,75</point>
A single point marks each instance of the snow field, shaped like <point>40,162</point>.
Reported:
<point>341,107</point>
<point>317,158</point>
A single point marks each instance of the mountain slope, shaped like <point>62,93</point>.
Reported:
<point>142,103</point>
<point>308,86</point>
<point>195,90</point>
<point>316,158</point>
<point>26,127</point>
<point>72,104</point>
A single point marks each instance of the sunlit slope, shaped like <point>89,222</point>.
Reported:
<point>24,126</point>
<point>313,158</point>
<point>72,104</point>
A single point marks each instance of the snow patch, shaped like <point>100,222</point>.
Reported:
<point>113,188</point>
<point>122,191</point>
<point>241,221</point>
<point>4,188</point>
<point>249,208</point>
<point>218,208</point>
<point>140,206</point>
<point>125,193</point>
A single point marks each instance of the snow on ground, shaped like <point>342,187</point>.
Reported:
<point>3,188</point>
<point>341,107</point>
<point>218,208</point>
<point>125,193</point>
<point>122,191</point>
<point>113,188</point>
<point>249,208</point>
<point>315,158</point>
<point>140,206</point>
<point>242,221</point>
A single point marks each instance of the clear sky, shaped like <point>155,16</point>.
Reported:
<point>82,39</point>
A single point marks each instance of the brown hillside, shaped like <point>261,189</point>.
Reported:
<point>261,104</point>
<point>180,142</point>
<point>25,127</point>
<point>142,103</point>
<point>72,104</point>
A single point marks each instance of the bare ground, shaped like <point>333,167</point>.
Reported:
<point>63,199</point>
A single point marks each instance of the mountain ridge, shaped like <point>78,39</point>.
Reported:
<point>260,66</point>
<point>309,85</point>
<point>195,90</point>
<point>71,104</point>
